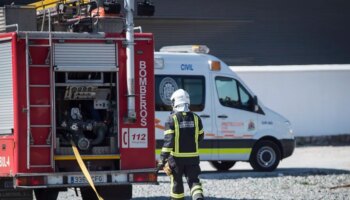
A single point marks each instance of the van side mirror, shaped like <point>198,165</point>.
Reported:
<point>256,105</point>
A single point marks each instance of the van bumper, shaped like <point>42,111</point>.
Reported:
<point>288,146</point>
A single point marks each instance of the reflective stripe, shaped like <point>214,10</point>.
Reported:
<point>225,150</point>
<point>182,195</point>
<point>172,194</point>
<point>158,151</point>
<point>235,151</point>
<point>197,192</point>
<point>169,132</point>
<point>220,151</point>
<point>196,130</point>
<point>184,155</point>
<point>177,134</point>
<point>201,132</point>
<point>164,149</point>
<point>196,187</point>
<point>177,153</point>
<point>171,183</point>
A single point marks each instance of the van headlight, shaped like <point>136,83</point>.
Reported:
<point>289,127</point>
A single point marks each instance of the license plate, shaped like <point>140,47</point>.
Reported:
<point>81,179</point>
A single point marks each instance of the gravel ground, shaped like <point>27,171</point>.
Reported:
<point>311,173</point>
<point>264,186</point>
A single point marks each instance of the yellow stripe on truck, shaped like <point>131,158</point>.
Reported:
<point>220,151</point>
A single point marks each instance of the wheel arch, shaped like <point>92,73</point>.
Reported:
<point>272,139</point>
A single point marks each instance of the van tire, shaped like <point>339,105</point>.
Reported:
<point>265,156</point>
<point>222,165</point>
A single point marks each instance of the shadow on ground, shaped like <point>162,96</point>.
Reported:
<point>236,174</point>
<point>186,198</point>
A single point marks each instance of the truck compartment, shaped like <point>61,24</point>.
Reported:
<point>87,102</point>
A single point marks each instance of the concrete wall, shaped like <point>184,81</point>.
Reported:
<point>315,98</point>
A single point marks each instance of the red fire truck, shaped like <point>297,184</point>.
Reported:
<point>67,91</point>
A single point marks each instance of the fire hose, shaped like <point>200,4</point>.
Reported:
<point>84,169</point>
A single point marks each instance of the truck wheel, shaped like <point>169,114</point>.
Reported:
<point>46,194</point>
<point>88,194</point>
<point>114,192</point>
<point>222,165</point>
<point>16,194</point>
<point>265,156</point>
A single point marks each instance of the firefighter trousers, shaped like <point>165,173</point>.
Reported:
<point>191,173</point>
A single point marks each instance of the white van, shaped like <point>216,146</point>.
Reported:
<point>237,126</point>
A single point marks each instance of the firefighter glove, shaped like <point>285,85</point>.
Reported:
<point>167,169</point>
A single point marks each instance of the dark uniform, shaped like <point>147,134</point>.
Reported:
<point>183,131</point>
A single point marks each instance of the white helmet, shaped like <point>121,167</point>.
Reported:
<point>180,100</point>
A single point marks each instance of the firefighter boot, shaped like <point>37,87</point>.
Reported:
<point>197,192</point>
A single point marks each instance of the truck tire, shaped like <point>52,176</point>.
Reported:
<point>265,156</point>
<point>16,194</point>
<point>46,194</point>
<point>114,192</point>
<point>222,165</point>
<point>88,194</point>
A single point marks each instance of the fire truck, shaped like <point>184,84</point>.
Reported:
<point>76,101</point>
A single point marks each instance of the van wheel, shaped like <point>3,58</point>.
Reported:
<point>265,156</point>
<point>222,165</point>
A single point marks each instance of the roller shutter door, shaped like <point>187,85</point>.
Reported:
<point>85,57</point>
<point>2,20</point>
<point>6,89</point>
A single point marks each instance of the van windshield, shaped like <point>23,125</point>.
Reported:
<point>166,85</point>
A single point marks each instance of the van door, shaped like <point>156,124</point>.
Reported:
<point>207,148</point>
<point>236,121</point>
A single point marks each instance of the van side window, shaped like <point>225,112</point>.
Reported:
<point>227,91</point>
<point>232,94</point>
<point>246,100</point>
<point>165,85</point>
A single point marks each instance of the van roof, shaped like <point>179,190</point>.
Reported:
<point>187,56</point>
<point>186,49</point>
<point>172,59</point>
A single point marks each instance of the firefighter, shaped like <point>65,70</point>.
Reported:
<point>179,155</point>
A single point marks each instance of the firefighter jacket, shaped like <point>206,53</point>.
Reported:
<point>183,131</point>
